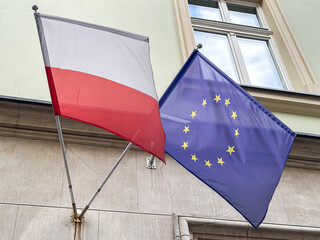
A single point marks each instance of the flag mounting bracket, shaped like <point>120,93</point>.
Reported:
<point>77,219</point>
<point>151,162</point>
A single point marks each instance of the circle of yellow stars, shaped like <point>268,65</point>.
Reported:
<point>230,149</point>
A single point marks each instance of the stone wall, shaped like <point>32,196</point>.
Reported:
<point>136,202</point>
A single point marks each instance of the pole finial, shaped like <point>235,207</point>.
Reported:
<point>199,46</point>
<point>35,8</point>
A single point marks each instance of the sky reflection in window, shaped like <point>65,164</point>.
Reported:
<point>260,65</point>
<point>247,19</point>
<point>216,48</point>
<point>209,13</point>
<point>243,15</point>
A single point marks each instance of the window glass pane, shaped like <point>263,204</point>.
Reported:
<point>243,15</point>
<point>204,10</point>
<point>217,49</point>
<point>260,65</point>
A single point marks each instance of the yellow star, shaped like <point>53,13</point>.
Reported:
<point>234,115</point>
<point>220,161</point>
<point>185,145</point>
<point>193,114</point>
<point>208,163</point>
<point>236,132</point>
<point>204,102</point>
<point>230,149</point>
<point>217,99</point>
<point>194,158</point>
<point>186,129</point>
<point>227,102</point>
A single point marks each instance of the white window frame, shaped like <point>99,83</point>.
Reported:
<point>232,31</point>
<point>299,74</point>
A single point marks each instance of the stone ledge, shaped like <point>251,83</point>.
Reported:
<point>286,101</point>
<point>36,121</point>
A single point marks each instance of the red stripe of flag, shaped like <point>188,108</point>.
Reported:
<point>119,109</point>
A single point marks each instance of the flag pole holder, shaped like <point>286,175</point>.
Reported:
<point>76,219</point>
<point>151,162</point>
<point>63,149</point>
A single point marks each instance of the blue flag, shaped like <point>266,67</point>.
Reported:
<point>224,136</point>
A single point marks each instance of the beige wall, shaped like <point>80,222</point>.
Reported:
<point>300,123</point>
<point>304,17</point>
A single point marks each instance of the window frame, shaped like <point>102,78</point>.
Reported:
<point>233,30</point>
<point>213,229</point>
<point>299,74</point>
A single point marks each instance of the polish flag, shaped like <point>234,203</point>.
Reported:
<point>102,76</point>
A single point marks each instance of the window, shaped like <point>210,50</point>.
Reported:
<point>231,20</point>
<point>236,38</point>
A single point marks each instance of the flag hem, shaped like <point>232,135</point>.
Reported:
<point>95,26</point>
<point>108,130</point>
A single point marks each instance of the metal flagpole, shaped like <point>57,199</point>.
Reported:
<point>66,166</point>
<point>105,180</point>
<point>35,8</point>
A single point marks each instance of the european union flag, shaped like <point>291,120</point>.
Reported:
<point>224,136</point>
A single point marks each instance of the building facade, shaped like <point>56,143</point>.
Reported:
<point>166,202</point>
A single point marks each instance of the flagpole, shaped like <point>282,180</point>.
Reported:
<point>105,180</point>
<point>35,9</point>
<point>66,166</point>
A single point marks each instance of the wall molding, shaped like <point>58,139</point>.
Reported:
<point>300,63</point>
<point>286,101</point>
<point>36,121</point>
<point>30,120</point>
<point>200,228</point>
<point>187,41</point>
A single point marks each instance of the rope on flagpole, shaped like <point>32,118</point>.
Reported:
<point>66,166</point>
<point>105,180</point>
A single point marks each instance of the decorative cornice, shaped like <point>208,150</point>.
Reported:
<point>286,101</point>
<point>224,27</point>
<point>35,120</point>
